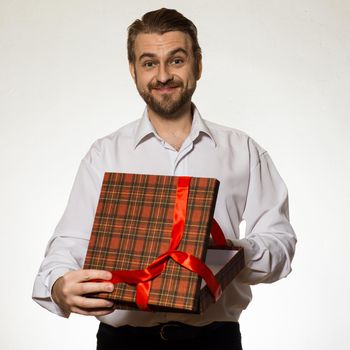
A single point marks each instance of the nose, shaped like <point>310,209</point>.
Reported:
<point>164,74</point>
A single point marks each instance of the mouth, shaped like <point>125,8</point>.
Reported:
<point>165,89</point>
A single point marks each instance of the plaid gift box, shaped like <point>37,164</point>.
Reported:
<point>147,223</point>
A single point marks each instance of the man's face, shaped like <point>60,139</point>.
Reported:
<point>164,71</point>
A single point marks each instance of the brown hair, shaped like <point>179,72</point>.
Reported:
<point>162,21</point>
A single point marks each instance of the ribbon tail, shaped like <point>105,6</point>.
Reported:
<point>217,234</point>
<point>142,294</point>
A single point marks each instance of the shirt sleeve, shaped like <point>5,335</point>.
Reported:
<point>269,242</point>
<point>67,247</point>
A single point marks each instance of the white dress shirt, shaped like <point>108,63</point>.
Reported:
<point>250,189</point>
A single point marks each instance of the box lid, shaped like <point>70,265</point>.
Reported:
<point>133,225</point>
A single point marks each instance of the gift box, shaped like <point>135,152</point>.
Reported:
<point>153,232</point>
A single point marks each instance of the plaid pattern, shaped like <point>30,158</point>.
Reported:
<point>132,227</point>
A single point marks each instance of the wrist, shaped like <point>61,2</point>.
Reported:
<point>54,295</point>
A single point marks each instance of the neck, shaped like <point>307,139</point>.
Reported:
<point>175,128</point>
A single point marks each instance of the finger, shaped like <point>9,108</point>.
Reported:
<point>92,303</point>
<point>87,275</point>
<point>93,312</point>
<point>93,287</point>
<point>96,274</point>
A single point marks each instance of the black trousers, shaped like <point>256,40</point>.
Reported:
<point>173,335</point>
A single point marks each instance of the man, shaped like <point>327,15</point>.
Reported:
<point>171,138</point>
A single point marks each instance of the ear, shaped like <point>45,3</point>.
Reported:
<point>199,68</point>
<point>132,70</point>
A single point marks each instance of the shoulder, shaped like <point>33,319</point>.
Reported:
<point>107,145</point>
<point>222,129</point>
<point>228,136</point>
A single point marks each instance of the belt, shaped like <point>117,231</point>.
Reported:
<point>178,331</point>
<point>170,331</point>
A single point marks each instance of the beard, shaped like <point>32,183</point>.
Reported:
<point>167,105</point>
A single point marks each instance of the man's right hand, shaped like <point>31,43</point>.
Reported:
<point>69,290</point>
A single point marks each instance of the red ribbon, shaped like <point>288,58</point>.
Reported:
<point>142,278</point>
<point>218,236</point>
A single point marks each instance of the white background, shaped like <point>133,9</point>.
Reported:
<point>279,70</point>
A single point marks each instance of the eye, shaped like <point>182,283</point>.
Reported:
<point>149,64</point>
<point>177,61</point>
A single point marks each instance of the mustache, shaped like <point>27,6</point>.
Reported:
<point>169,84</point>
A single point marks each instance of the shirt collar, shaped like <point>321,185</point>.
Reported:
<point>145,129</point>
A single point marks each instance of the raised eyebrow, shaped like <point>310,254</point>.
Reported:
<point>171,53</point>
<point>175,51</point>
<point>148,55</point>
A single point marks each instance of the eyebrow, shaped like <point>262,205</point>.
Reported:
<point>171,53</point>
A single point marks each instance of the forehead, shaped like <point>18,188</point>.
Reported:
<point>161,44</point>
